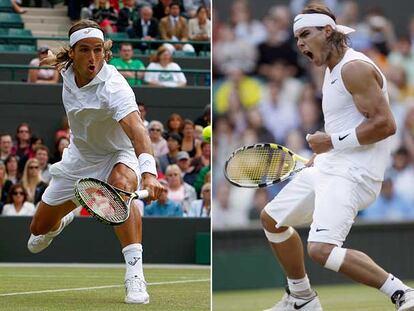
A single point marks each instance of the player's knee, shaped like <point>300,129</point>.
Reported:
<point>268,222</point>
<point>319,252</point>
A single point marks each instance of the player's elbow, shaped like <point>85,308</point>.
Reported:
<point>385,126</point>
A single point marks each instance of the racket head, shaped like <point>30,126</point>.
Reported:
<point>102,201</point>
<point>260,165</point>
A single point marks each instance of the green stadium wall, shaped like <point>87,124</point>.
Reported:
<point>165,241</point>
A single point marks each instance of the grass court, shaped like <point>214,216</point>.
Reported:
<point>61,288</point>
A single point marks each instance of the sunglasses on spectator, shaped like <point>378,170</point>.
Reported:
<point>18,193</point>
<point>33,167</point>
<point>155,130</point>
<point>23,131</point>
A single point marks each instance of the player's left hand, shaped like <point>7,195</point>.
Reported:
<point>319,142</point>
<point>150,183</point>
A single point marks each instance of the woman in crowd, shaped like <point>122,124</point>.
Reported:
<point>199,27</point>
<point>5,185</point>
<point>23,146</point>
<point>189,142</point>
<point>17,204</point>
<point>159,144</point>
<point>162,62</point>
<point>12,169</point>
<point>179,191</point>
<point>175,124</point>
<point>201,208</point>
<point>32,181</point>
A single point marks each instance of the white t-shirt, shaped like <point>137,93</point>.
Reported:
<point>171,79</point>
<point>28,209</point>
<point>42,74</point>
<point>94,112</point>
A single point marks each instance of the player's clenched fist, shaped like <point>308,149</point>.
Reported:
<point>319,142</point>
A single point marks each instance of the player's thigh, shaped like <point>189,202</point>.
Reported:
<point>123,177</point>
<point>294,204</point>
<point>337,202</point>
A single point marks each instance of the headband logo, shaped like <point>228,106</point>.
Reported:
<point>87,31</point>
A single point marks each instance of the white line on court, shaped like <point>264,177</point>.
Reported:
<point>99,265</point>
<point>97,287</point>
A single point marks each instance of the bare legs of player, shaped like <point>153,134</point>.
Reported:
<point>356,265</point>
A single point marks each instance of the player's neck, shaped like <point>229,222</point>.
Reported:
<point>335,56</point>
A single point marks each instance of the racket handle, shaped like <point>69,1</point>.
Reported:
<point>142,194</point>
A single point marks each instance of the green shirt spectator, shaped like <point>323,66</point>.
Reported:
<point>126,62</point>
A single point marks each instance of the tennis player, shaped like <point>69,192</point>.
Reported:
<point>348,169</point>
<point>108,141</point>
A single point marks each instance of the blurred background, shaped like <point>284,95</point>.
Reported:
<point>263,91</point>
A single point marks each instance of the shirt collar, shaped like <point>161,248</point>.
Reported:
<point>103,75</point>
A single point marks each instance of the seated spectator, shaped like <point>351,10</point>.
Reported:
<point>145,27</point>
<point>23,146</point>
<point>12,170</point>
<point>17,8</point>
<point>204,119</point>
<point>190,143</point>
<point>191,7</point>
<point>174,144</point>
<point>163,207</point>
<point>17,204</point>
<point>126,61</point>
<point>162,9</point>
<point>389,205</point>
<point>174,28</point>
<point>204,159</point>
<point>159,144</point>
<point>42,155</point>
<point>32,181</point>
<point>42,75</point>
<point>6,145</point>
<point>175,124</point>
<point>188,172</point>
<point>201,208</point>
<point>163,63</point>
<point>199,28</point>
<point>60,145</point>
<point>127,15</point>
<point>105,15</point>
<point>178,190</point>
<point>5,185</point>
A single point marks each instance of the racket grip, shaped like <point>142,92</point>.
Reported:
<point>142,194</point>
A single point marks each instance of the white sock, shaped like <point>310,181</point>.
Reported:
<point>391,285</point>
<point>133,259</point>
<point>300,287</point>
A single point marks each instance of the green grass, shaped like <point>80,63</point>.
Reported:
<point>191,290</point>
<point>333,298</point>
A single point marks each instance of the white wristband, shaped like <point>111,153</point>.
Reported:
<point>147,164</point>
<point>344,140</point>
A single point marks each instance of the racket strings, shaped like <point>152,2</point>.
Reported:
<point>103,201</point>
<point>259,165</point>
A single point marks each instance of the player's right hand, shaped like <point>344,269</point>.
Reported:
<point>150,183</point>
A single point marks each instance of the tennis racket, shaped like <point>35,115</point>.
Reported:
<point>106,203</point>
<point>261,165</point>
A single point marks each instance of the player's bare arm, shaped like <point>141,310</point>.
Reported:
<point>135,130</point>
<point>364,82</point>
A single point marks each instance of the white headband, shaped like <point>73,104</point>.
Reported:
<point>85,33</point>
<point>318,20</point>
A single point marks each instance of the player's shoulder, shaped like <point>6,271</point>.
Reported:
<point>357,73</point>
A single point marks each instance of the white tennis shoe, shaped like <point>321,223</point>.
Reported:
<point>37,243</point>
<point>404,301</point>
<point>293,303</point>
<point>136,290</point>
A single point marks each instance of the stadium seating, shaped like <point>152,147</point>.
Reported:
<point>24,36</point>
<point>10,20</point>
<point>5,6</point>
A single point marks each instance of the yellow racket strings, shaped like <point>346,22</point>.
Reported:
<point>259,165</point>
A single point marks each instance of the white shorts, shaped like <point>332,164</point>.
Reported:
<point>72,167</point>
<point>329,202</point>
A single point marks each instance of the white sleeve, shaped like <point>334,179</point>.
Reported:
<point>179,76</point>
<point>121,99</point>
<point>151,76</point>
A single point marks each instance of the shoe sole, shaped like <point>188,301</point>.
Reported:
<point>137,302</point>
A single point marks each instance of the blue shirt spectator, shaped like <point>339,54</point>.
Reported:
<point>163,207</point>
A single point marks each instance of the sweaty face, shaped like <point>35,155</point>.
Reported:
<point>311,42</point>
<point>88,57</point>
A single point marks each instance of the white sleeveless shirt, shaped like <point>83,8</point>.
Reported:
<point>341,114</point>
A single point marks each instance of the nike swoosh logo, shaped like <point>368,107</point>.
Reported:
<point>297,307</point>
<point>318,230</point>
<point>332,82</point>
<point>343,137</point>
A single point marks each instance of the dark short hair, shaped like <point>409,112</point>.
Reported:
<point>175,136</point>
<point>12,189</point>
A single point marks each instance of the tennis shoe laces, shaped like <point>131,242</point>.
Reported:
<point>136,290</point>
<point>403,300</point>
<point>38,243</point>
<point>291,302</point>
